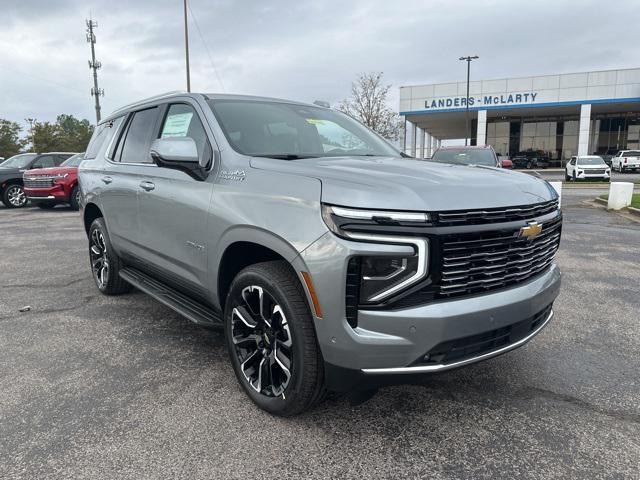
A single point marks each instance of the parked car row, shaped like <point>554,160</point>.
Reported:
<point>46,179</point>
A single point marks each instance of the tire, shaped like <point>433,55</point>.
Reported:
<point>74,199</point>
<point>566,176</point>
<point>574,176</point>
<point>104,262</point>
<point>45,206</point>
<point>14,197</point>
<point>285,339</point>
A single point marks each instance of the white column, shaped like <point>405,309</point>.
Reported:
<point>429,151</point>
<point>414,133</point>
<point>583,131</point>
<point>404,135</point>
<point>422,138</point>
<point>481,133</point>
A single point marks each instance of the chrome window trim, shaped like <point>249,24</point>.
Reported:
<point>422,248</point>
<point>448,366</point>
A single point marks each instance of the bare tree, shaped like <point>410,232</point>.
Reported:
<point>368,104</point>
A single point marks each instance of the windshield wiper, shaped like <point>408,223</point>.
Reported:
<point>285,156</point>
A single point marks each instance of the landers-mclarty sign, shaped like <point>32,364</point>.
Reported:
<point>482,100</point>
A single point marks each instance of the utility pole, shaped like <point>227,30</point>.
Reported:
<point>186,46</point>
<point>31,121</point>
<point>466,113</point>
<point>95,66</point>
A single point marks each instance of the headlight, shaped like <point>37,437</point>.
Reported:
<point>384,275</point>
<point>337,217</point>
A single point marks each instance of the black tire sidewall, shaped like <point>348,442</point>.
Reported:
<point>274,405</point>
<point>98,224</point>
<point>73,201</point>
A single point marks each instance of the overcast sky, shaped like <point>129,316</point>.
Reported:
<point>302,50</point>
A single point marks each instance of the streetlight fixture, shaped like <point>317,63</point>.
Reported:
<point>468,60</point>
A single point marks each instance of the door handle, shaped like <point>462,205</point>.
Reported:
<point>107,179</point>
<point>148,186</point>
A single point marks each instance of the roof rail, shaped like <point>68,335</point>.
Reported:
<point>145,100</point>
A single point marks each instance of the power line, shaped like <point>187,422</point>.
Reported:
<point>95,66</point>
<point>206,47</point>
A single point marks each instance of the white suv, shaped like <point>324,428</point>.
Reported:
<point>587,167</point>
<point>626,160</point>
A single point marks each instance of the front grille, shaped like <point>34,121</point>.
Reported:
<point>479,262</point>
<point>595,172</point>
<point>476,345</point>
<point>352,291</point>
<point>493,215</point>
<point>38,182</point>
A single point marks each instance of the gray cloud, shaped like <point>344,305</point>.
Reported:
<point>302,50</point>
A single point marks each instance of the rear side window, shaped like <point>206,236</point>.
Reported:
<point>101,135</point>
<point>137,140</point>
<point>182,121</point>
<point>45,161</point>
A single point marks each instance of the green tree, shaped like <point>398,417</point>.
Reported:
<point>10,141</point>
<point>46,137</point>
<point>67,134</point>
<point>74,134</point>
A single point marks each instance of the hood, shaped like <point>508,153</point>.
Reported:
<point>51,171</point>
<point>407,184</point>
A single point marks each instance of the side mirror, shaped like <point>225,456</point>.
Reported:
<point>178,153</point>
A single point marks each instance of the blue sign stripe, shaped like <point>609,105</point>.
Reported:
<point>528,105</point>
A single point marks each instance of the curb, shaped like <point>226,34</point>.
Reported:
<point>601,200</point>
<point>634,211</point>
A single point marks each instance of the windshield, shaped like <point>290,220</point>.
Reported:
<point>466,156</point>
<point>73,161</point>
<point>291,131</point>
<point>590,161</point>
<point>19,161</point>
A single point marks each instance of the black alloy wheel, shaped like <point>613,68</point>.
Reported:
<point>105,263</point>
<point>271,339</point>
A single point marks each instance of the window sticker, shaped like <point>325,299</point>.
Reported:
<point>177,125</point>
<point>315,121</point>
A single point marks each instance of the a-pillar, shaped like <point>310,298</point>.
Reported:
<point>583,130</point>
<point>481,133</point>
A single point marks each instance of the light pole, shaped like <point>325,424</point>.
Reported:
<point>186,46</point>
<point>468,60</point>
<point>31,121</point>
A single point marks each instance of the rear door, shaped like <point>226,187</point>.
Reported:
<point>122,176</point>
<point>173,207</point>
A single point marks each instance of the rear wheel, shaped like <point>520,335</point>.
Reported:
<point>271,339</point>
<point>105,263</point>
<point>74,199</point>
<point>14,197</point>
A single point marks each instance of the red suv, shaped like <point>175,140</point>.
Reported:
<point>47,187</point>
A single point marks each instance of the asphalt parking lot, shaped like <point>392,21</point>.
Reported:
<point>122,387</point>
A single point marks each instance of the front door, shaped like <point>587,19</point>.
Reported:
<point>173,210</point>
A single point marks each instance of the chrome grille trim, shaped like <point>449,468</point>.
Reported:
<point>38,182</point>
<point>497,214</point>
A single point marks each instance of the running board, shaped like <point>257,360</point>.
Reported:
<point>185,306</point>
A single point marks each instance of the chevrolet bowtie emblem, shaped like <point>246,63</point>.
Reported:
<point>531,231</point>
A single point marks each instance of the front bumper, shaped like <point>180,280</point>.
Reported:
<point>50,195</point>
<point>587,175</point>
<point>389,343</point>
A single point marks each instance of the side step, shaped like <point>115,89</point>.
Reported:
<point>185,306</point>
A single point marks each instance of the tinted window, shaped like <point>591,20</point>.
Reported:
<point>73,161</point>
<point>97,140</point>
<point>45,161</point>
<point>590,161</point>
<point>59,159</point>
<point>265,128</point>
<point>631,153</point>
<point>137,142</point>
<point>182,121</point>
<point>19,161</point>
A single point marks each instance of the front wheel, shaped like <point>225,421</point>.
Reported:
<point>566,177</point>
<point>14,197</point>
<point>74,199</point>
<point>271,339</point>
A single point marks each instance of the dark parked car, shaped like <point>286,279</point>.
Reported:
<point>12,169</point>
<point>468,155</point>
<point>530,161</point>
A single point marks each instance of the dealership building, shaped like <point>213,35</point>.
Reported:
<point>555,115</point>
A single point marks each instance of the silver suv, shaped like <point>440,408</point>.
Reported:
<point>333,263</point>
